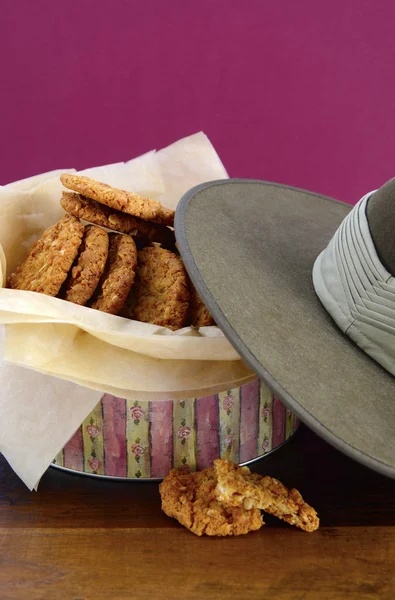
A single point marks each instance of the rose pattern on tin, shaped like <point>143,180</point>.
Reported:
<point>93,442</point>
<point>228,402</point>
<point>184,440</point>
<point>92,430</point>
<point>136,413</point>
<point>184,432</point>
<point>137,434</point>
<point>94,464</point>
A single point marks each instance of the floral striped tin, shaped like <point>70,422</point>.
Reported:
<point>145,440</point>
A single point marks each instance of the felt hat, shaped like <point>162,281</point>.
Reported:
<point>302,286</point>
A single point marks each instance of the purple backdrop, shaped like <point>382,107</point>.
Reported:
<point>296,92</point>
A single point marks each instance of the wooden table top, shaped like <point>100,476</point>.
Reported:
<point>79,538</point>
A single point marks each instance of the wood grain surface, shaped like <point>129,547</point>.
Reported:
<point>79,538</point>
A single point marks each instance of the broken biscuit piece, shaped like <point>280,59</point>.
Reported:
<point>238,486</point>
<point>227,499</point>
<point>191,499</point>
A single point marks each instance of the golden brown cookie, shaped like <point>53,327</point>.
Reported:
<point>128,202</point>
<point>191,499</point>
<point>94,212</point>
<point>118,276</point>
<point>88,268</point>
<point>160,294</point>
<point>237,486</point>
<point>199,315</point>
<point>49,260</point>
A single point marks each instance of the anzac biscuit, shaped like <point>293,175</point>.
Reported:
<point>118,276</point>
<point>88,268</point>
<point>191,499</point>
<point>160,294</point>
<point>199,315</point>
<point>49,260</point>
<point>94,212</point>
<point>237,486</point>
<point>128,202</point>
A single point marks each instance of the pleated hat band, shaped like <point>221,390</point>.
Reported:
<point>356,288</point>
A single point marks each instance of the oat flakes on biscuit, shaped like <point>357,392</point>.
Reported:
<point>160,294</point>
<point>191,499</point>
<point>199,315</point>
<point>118,276</point>
<point>238,486</point>
<point>94,212</point>
<point>49,260</point>
<point>127,202</point>
<point>88,268</point>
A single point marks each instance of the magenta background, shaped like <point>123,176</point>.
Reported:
<point>296,92</point>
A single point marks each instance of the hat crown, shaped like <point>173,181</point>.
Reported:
<point>380,213</point>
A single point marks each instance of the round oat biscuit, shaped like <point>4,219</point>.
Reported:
<point>49,260</point>
<point>118,276</point>
<point>191,499</point>
<point>94,212</point>
<point>89,266</point>
<point>127,202</point>
<point>199,315</point>
<point>160,294</point>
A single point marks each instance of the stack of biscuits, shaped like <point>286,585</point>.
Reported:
<point>123,261</point>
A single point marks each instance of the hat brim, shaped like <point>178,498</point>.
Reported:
<point>249,247</point>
